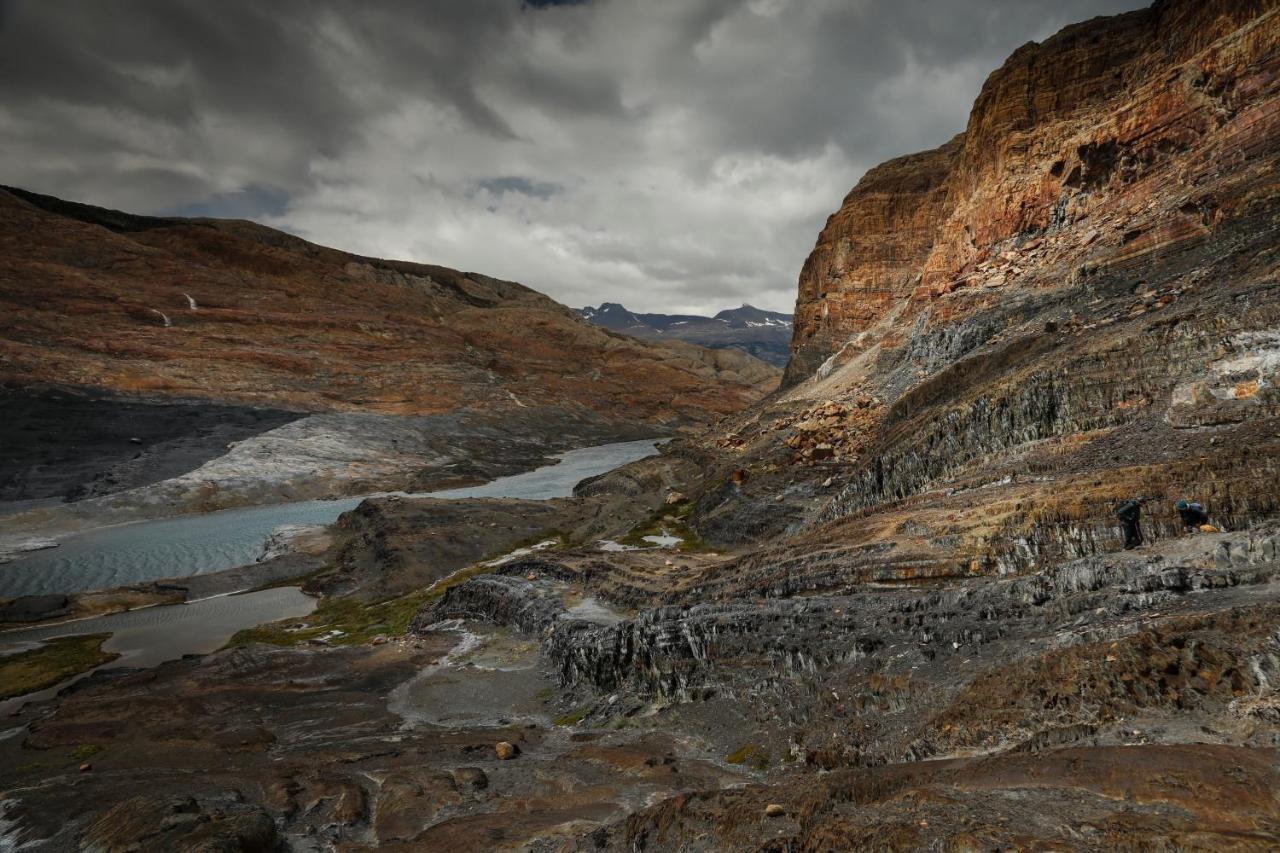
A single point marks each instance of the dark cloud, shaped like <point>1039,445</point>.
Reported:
<point>515,184</point>
<point>669,154</point>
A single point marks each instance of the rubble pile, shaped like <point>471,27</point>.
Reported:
<point>831,432</point>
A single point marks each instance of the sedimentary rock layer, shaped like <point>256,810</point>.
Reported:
<point>1113,140</point>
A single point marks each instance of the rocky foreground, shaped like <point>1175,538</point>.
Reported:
<point>577,698</point>
<point>898,615</point>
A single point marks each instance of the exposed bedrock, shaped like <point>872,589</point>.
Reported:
<point>83,444</point>
<point>390,546</point>
<point>221,820</point>
<point>393,545</point>
<point>673,652</point>
<point>1186,637</point>
<point>1046,384</point>
<point>498,599</point>
<point>1073,302</point>
<point>1114,140</point>
<point>1189,797</point>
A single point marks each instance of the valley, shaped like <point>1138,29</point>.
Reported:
<point>550,587</point>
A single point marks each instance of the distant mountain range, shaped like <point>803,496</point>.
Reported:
<point>764,334</point>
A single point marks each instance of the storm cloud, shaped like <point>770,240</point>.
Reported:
<point>673,155</point>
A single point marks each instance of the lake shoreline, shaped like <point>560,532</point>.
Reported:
<point>171,596</point>
<point>232,538</point>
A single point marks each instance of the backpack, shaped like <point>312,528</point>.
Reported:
<point>1128,510</point>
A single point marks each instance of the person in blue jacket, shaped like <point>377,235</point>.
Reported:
<point>1192,515</point>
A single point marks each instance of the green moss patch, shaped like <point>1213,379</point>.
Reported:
<point>55,661</point>
<point>349,621</point>
<point>573,717</point>
<point>668,521</point>
<point>85,751</point>
<point>749,753</point>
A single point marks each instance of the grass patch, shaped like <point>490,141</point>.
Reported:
<point>742,754</point>
<point>558,537</point>
<point>573,717</point>
<point>673,521</point>
<point>85,751</point>
<point>358,621</point>
<point>55,661</point>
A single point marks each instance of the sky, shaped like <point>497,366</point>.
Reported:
<point>676,156</point>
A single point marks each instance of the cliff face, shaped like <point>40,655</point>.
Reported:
<point>233,311</point>
<point>1074,301</point>
<point>1115,139</point>
<point>869,256</point>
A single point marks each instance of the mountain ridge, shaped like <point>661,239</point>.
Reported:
<point>763,334</point>
<point>233,310</point>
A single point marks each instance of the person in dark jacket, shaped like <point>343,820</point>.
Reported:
<point>1130,514</point>
<point>1192,514</point>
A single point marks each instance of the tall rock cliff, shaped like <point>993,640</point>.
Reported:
<point>1113,142</point>
<point>1073,301</point>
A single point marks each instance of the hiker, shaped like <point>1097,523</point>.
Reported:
<point>1194,518</point>
<point>1192,515</point>
<point>1130,513</point>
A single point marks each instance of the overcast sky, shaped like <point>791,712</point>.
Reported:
<point>672,155</point>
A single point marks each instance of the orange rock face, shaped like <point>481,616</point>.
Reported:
<point>870,253</point>
<point>230,310</point>
<point>1113,140</point>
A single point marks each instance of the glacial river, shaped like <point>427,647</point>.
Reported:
<point>189,545</point>
<point>197,544</point>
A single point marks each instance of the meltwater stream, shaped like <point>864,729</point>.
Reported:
<point>197,544</point>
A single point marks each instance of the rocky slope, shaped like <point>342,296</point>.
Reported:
<point>1073,301</point>
<point>763,334</point>
<point>233,311</point>
<point>1114,145</point>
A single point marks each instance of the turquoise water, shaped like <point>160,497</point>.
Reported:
<point>153,635</point>
<point>197,544</point>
